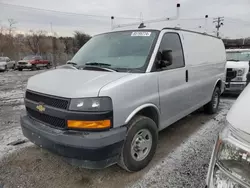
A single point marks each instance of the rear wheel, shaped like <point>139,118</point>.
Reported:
<point>14,67</point>
<point>20,69</point>
<point>5,68</point>
<point>140,144</point>
<point>213,105</point>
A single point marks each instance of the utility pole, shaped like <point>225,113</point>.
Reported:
<point>219,22</point>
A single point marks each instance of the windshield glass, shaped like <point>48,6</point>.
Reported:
<point>238,56</point>
<point>124,51</point>
<point>29,57</point>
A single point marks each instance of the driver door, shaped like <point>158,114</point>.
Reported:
<point>172,80</point>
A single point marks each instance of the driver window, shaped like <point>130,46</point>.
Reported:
<point>171,41</point>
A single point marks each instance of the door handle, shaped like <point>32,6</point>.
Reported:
<point>186,75</point>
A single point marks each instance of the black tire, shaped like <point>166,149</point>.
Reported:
<point>14,67</point>
<point>211,107</point>
<point>33,68</point>
<point>137,124</point>
<point>20,69</point>
<point>6,68</point>
<point>48,66</point>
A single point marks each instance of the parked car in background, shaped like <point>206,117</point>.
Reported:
<point>6,63</point>
<point>33,62</point>
<point>237,68</point>
<point>230,162</point>
<point>122,89</point>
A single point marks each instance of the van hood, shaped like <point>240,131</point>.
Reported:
<point>72,83</point>
<point>237,64</point>
<point>238,116</point>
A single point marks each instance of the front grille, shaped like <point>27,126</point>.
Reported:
<point>44,118</point>
<point>22,63</point>
<point>56,102</point>
<point>231,74</point>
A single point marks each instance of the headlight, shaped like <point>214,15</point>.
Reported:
<point>240,72</point>
<point>98,104</point>
<point>230,165</point>
<point>235,159</point>
<point>220,180</point>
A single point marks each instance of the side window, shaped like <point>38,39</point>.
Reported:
<point>38,57</point>
<point>171,41</point>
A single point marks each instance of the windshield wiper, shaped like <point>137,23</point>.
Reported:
<point>232,60</point>
<point>71,63</point>
<point>98,64</point>
<point>103,66</point>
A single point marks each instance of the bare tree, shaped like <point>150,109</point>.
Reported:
<point>80,39</point>
<point>33,40</point>
<point>1,39</point>
<point>12,27</point>
<point>68,44</point>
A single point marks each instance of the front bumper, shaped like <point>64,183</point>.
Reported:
<point>92,150</point>
<point>235,87</point>
<point>24,66</point>
<point>2,68</point>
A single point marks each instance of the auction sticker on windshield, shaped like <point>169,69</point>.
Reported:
<point>141,34</point>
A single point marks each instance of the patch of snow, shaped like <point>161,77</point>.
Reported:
<point>9,136</point>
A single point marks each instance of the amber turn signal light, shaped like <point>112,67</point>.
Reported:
<point>77,124</point>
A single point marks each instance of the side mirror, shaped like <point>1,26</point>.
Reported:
<point>166,58</point>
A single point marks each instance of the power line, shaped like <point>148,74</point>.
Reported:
<point>245,23</point>
<point>237,19</point>
<point>62,12</point>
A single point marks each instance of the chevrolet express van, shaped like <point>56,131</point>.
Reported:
<point>237,69</point>
<point>107,105</point>
<point>230,161</point>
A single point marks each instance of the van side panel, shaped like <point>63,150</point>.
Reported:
<point>205,60</point>
<point>130,93</point>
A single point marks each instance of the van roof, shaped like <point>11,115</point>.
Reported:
<point>160,29</point>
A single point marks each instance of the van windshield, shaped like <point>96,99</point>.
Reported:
<point>124,51</point>
<point>238,56</point>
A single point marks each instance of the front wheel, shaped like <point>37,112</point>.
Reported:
<point>48,66</point>
<point>33,68</point>
<point>140,144</point>
<point>213,105</point>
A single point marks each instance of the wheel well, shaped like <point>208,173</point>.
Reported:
<point>219,84</point>
<point>151,113</point>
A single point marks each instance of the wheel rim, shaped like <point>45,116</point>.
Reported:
<point>141,145</point>
<point>216,100</point>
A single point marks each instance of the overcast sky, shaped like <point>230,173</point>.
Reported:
<point>236,13</point>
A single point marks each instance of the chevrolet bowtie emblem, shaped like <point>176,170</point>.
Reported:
<point>40,108</point>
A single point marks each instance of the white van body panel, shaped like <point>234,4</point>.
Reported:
<point>238,116</point>
<point>168,90</point>
<point>72,83</point>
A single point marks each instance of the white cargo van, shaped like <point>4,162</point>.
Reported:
<point>237,69</point>
<point>120,89</point>
<point>229,165</point>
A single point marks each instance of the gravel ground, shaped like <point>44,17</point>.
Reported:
<point>181,159</point>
